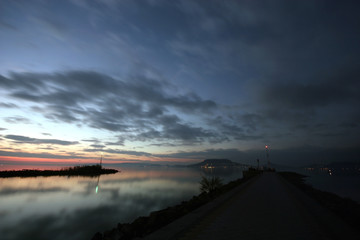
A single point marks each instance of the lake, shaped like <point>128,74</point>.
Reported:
<point>346,186</point>
<point>55,208</point>
<point>77,207</point>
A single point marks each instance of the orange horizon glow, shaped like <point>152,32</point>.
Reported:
<point>43,160</point>
<point>72,161</point>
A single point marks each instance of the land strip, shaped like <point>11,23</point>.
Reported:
<point>91,171</point>
<point>267,208</point>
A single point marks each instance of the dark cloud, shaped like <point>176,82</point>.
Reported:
<point>140,109</point>
<point>47,148</point>
<point>314,112</point>
<point>102,102</point>
<point>2,129</point>
<point>120,142</point>
<point>17,119</point>
<point>164,145</point>
<point>242,127</point>
<point>127,152</point>
<point>272,42</point>
<point>73,88</point>
<point>173,130</point>
<point>285,66</point>
<point>18,153</point>
<point>232,153</point>
<point>97,146</point>
<point>7,26</point>
<point>285,76</point>
<point>24,139</point>
<point>185,132</point>
<point>8,105</point>
<point>91,140</point>
<point>317,94</point>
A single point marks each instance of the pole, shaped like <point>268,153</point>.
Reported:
<point>267,156</point>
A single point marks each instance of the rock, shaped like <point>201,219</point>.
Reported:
<point>113,234</point>
<point>127,230</point>
<point>97,236</point>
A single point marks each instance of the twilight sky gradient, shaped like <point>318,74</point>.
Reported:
<point>179,81</point>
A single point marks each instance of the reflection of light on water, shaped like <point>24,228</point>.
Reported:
<point>72,200</point>
<point>97,185</point>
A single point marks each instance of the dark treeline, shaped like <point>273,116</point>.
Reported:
<point>92,171</point>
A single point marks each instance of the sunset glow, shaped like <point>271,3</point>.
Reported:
<point>205,80</point>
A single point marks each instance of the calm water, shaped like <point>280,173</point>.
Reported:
<point>342,185</point>
<point>77,207</point>
<point>346,186</point>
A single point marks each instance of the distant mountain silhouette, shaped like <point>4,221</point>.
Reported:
<point>216,163</point>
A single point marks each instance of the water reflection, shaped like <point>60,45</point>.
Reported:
<point>97,185</point>
<point>343,185</point>
<point>225,173</point>
<point>77,207</point>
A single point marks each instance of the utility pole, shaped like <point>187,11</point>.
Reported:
<point>267,156</point>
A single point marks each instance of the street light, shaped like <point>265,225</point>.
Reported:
<point>267,156</point>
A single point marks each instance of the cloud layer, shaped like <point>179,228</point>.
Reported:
<point>23,139</point>
<point>149,78</point>
<point>141,108</point>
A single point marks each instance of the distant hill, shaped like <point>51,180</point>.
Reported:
<point>216,163</point>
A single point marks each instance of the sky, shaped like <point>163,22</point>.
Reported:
<point>179,81</point>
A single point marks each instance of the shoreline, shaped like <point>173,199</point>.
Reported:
<point>89,171</point>
<point>143,226</point>
<point>155,222</point>
<point>345,208</point>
